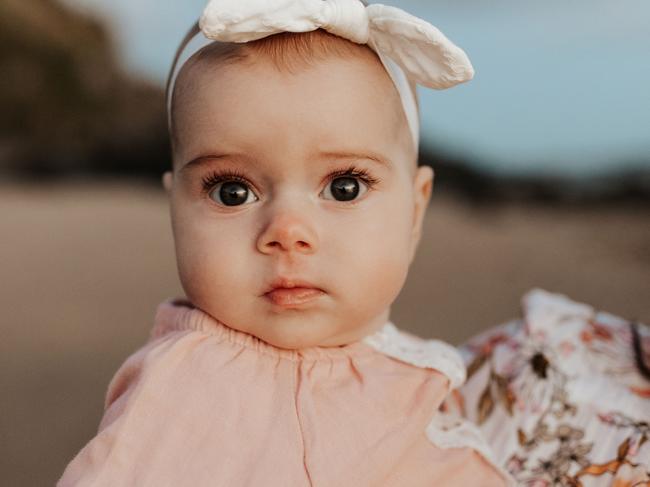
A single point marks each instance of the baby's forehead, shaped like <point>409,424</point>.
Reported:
<point>290,55</point>
<point>288,61</point>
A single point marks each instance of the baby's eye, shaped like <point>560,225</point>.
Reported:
<point>232,193</point>
<point>345,188</point>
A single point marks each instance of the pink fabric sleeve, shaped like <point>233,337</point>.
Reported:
<point>95,456</point>
<point>171,420</point>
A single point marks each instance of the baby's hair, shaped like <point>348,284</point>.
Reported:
<point>288,51</point>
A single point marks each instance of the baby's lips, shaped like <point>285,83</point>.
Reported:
<point>284,282</point>
<point>295,296</point>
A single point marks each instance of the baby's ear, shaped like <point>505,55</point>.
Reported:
<point>422,186</point>
<point>167,179</point>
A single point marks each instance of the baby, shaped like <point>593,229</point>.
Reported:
<point>296,207</point>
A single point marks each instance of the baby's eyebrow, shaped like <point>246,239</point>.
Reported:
<point>355,155</point>
<point>204,160</point>
<point>345,155</point>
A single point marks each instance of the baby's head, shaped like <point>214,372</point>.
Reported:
<point>293,167</point>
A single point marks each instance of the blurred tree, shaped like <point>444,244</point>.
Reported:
<point>67,106</point>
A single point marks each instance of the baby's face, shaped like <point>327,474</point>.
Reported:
<point>296,203</point>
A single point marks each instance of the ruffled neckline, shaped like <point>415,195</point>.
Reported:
<point>178,314</point>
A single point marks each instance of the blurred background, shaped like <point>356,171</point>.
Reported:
<point>542,180</point>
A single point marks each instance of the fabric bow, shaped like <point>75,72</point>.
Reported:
<point>420,49</point>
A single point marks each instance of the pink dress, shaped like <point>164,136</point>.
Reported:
<point>202,404</point>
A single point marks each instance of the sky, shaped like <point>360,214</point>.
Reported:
<point>562,87</point>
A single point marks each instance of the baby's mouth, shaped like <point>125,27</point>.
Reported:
<point>286,292</point>
<point>293,296</point>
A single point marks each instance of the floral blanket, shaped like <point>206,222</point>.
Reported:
<point>561,394</point>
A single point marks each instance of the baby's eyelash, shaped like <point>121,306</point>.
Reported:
<point>353,171</point>
<point>215,177</point>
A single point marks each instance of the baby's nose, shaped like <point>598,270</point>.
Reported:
<point>288,231</point>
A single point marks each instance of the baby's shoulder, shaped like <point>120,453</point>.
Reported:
<point>446,429</point>
<point>419,352</point>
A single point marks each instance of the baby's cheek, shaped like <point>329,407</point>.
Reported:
<point>379,269</point>
<point>208,266</point>
<point>386,252</point>
<point>388,275</point>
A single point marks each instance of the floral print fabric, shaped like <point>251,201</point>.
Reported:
<point>559,396</point>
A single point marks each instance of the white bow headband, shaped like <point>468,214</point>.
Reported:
<point>408,47</point>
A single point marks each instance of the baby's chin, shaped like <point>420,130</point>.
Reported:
<point>290,338</point>
<point>292,334</point>
<point>322,325</point>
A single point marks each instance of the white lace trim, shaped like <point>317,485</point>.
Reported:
<point>432,354</point>
<point>450,431</point>
<point>445,430</point>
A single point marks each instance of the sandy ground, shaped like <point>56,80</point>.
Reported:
<point>84,266</point>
